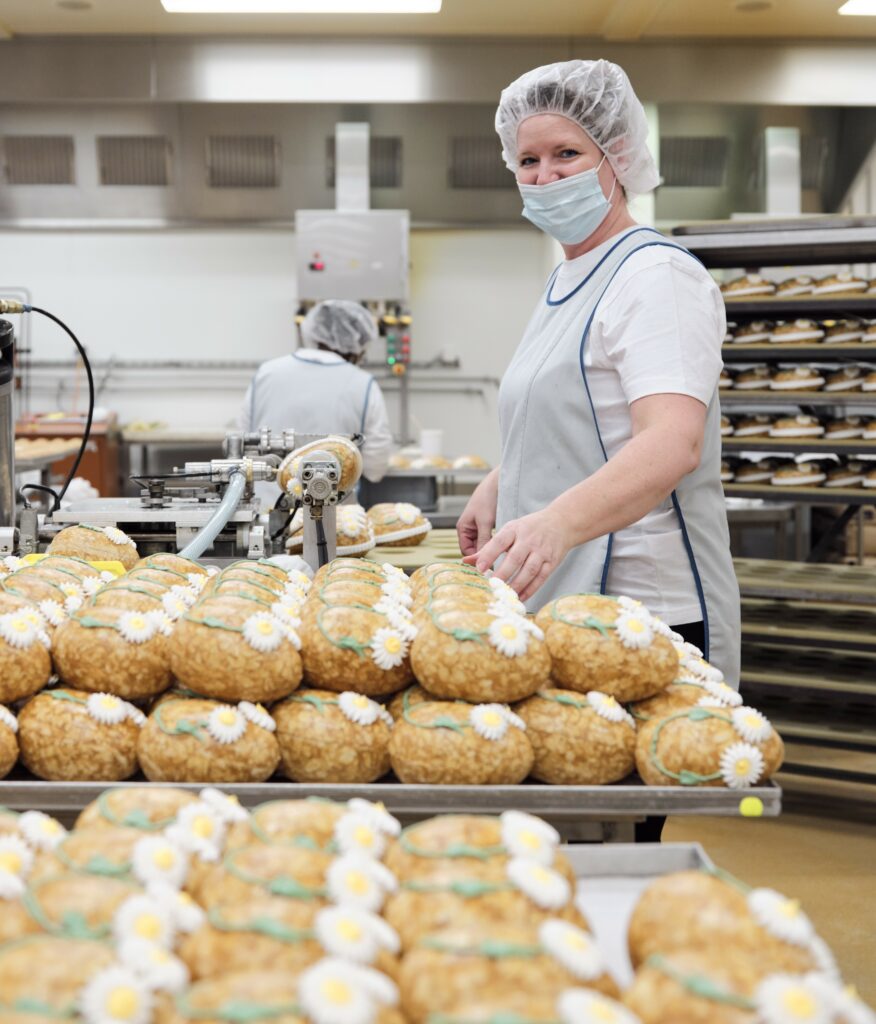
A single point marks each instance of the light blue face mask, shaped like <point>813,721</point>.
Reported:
<point>569,209</point>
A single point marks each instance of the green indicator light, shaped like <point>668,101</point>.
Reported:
<point>391,360</point>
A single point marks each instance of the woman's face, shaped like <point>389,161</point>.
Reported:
<point>550,147</point>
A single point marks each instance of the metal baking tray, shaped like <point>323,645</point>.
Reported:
<point>610,881</point>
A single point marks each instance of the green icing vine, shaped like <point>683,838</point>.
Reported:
<point>263,926</point>
<point>494,949</point>
<point>66,695</point>
<point>700,985</point>
<point>235,1011</point>
<point>184,727</point>
<point>135,818</point>
<point>73,923</point>
<point>452,852</point>
<point>684,777</point>
<point>282,885</point>
<point>212,623</point>
<point>499,1017</point>
<point>441,722</point>
<point>468,888</point>
<point>589,623</point>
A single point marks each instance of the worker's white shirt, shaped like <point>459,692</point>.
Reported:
<point>314,391</point>
<point>658,330</point>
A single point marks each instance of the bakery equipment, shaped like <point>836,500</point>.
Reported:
<point>7,438</point>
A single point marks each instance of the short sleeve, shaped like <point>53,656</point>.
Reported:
<point>660,327</point>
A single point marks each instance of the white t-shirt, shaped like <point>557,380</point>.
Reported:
<point>658,330</point>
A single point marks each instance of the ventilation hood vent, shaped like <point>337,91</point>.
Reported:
<point>133,159</point>
<point>475,162</point>
<point>38,159</point>
<point>243,161</point>
<point>694,161</point>
<point>385,161</point>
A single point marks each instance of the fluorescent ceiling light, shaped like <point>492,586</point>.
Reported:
<point>859,7</point>
<point>302,6</point>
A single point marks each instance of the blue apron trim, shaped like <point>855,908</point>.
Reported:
<point>696,573</point>
<point>558,302</point>
<point>365,407</point>
<point>687,544</point>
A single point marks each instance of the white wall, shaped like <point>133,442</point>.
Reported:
<point>209,294</point>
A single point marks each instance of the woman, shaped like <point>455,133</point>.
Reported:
<point>609,414</point>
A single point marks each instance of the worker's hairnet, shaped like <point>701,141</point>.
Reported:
<point>343,326</point>
<point>597,96</point>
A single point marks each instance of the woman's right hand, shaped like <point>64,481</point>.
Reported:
<point>475,526</point>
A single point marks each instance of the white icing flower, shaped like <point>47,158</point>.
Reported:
<point>359,881</point>
<point>573,948</point>
<point>258,715</point>
<point>263,632</point>
<point>163,622</point>
<point>393,570</point>
<point>824,958</point>
<point>780,916</point>
<point>212,570</point>
<point>489,721</point>
<point>136,715</point>
<point>399,618</point>
<point>199,829</point>
<point>106,576</point>
<point>608,708</point>
<point>634,629</point>
<point>702,669</point>
<point>329,995</point>
<point>17,630</point>
<point>546,888</point>
<point>300,579</point>
<point>106,708</point>
<point>287,615</point>
<point>355,833</point>
<point>386,605</point>
<point>72,603</point>
<point>91,585</point>
<point>851,1009</point>
<point>711,702</point>
<point>791,999</point>
<point>513,719</point>
<point>185,913</point>
<point>407,514</point>
<point>41,831</point>
<point>16,860</point>
<point>751,725</point>
<point>136,627</point>
<point>53,612</point>
<point>226,805</point>
<point>583,1006</point>
<point>661,629</point>
<point>226,724</point>
<point>44,638</point>
<point>687,651</point>
<point>388,648</point>
<point>397,592</point>
<point>354,934</point>
<point>358,708</point>
<point>524,835</point>
<point>187,594</point>
<point>377,814</point>
<point>741,765</point>
<point>508,636</point>
<point>722,692</point>
<point>8,719</point>
<point>293,595</point>
<point>173,605</point>
<point>157,968</point>
<point>156,860</point>
<point>13,563</point>
<point>198,580</point>
<point>144,918</point>
<point>116,995</point>
<point>72,590</point>
<point>117,536</point>
<point>630,604</point>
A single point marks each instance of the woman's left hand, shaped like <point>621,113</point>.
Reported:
<point>533,547</point>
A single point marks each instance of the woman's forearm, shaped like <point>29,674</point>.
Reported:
<point>632,483</point>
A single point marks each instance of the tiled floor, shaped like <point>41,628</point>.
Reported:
<point>829,865</point>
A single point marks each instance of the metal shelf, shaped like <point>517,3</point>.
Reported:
<point>817,353</point>
<point>800,581</point>
<point>774,307</point>
<point>799,445</point>
<point>808,495</point>
<point>764,397</point>
<point>839,628</point>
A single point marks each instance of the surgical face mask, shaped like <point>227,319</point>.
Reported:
<point>569,209</point>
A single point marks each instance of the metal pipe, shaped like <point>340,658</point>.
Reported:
<point>7,425</point>
<point>211,530</point>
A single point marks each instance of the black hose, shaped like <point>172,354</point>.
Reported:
<point>321,544</point>
<point>56,501</point>
<point>287,521</point>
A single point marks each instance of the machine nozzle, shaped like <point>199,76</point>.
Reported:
<point>12,306</point>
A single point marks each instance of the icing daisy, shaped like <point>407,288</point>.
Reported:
<point>792,999</point>
<point>545,887</point>
<point>163,622</point>
<point>741,765</point>
<point>300,579</point>
<point>287,614</point>
<point>711,702</point>
<point>634,629</point>
<point>386,605</point>
<point>513,719</point>
<point>53,612</point>
<point>263,632</point>
<point>72,590</point>
<point>489,721</point>
<point>358,708</point>
<point>16,861</point>
<point>157,968</point>
<point>407,514</point>
<point>17,630</point>
<point>135,714</point>
<point>40,831</point>
<point>116,995</point>
<point>703,670</point>
<point>524,835</point>
<point>508,636</point>
<point>136,627</point>
<point>388,648</point>
<point>851,1009</point>
<point>199,829</point>
<point>359,881</point>
<point>397,592</point>
<point>573,948</point>
<point>399,618</point>
<point>781,916</point>
<point>117,536</point>
<point>608,708</point>
<point>156,860</point>
<point>378,816</point>
<point>13,563</point>
<point>329,995</point>
<point>72,603</point>
<point>722,692</point>
<point>187,594</point>
<point>173,605</point>
<point>226,805</point>
<point>581,1006</point>
<point>226,724</point>
<point>144,918</point>
<point>8,719</point>
<point>106,708</point>
<point>824,958</point>
<point>354,834</point>
<point>258,715</point>
<point>293,595</point>
<point>185,913</point>
<point>106,576</point>
<point>751,725</point>
<point>354,934</point>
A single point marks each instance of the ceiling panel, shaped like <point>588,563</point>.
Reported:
<point>607,19</point>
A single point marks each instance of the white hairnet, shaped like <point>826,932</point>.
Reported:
<point>597,96</point>
<point>343,326</point>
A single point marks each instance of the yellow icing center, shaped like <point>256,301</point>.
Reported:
<point>742,767</point>
<point>540,874</point>
<point>360,702</point>
<point>363,836</point>
<point>203,826</point>
<point>349,930</point>
<point>799,1003</point>
<point>575,941</point>
<point>136,622</point>
<point>164,858</point>
<point>110,703</point>
<point>492,718</point>
<point>50,827</point>
<point>604,1012</point>
<point>158,955</point>
<point>227,717</point>
<point>753,721</point>
<point>265,628</point>
<point>790,908</point>
<point>529,839</point>
<point>10,862</point>
<point>20,625</point>
<point>392,645</point>
<point>122,1003</point>
<point>509,632</point>
<point>609,702</point>
<point>336,992</point>
<point>147,926</point>
<point>635,625</point>
<point>357,883</point>
<point>33,618</point>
